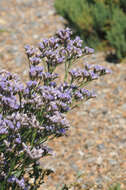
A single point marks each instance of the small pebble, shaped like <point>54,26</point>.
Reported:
<point>101,147</point>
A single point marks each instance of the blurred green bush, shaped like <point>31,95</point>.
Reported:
<point>101,23</point>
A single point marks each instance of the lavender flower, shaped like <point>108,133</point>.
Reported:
<point>85,74</point>
<point>31,84</point>
<point>64,34</point>
<point>3,131</point>
<point>30,51</point>
<point>87,66</point>
<point>35,60</point>
<point>53,42</point>
<point>78,95</point>
<point>101,70</point>
<point>87,94</point>
<point>50,76</point>
<point>75,73</point>
<point>11,179</point>
<point>36,72</point>
<point>88,50</point>
<point>33,154</point>
<point>78,42</point>
<point>41,46</point>
<point>21,183</point>
<point>92,75</point>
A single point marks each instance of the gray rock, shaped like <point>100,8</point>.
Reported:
<point>99,160</point>
<point>104,111</point>
<point>100,186</point>
<point>88,144</point>
<point>84,186</point>
<point>99,180</point>
<point>116,91</point>
<point>100,147</point>
<point>14,36</point>
<point>74,167</point>
<point>91,160</point>
<point>39,14</point>
<point>35,36</point>
<point>94,113</point>
<point>123,107</point>
<point>12,49</point>
<point>113,162</point>
<point>51,12</point>
<point>107,179</point>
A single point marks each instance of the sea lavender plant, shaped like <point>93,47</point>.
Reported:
<point>34,113</point>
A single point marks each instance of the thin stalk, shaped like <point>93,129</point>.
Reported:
<point>33,138</point>
<point>65,77</point>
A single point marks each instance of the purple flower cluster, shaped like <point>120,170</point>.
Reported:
<point>32,113</point>
<point>20,183</point>
<point>88,50</point>
<point>84,94</point>
<point>88,73</point>
<point>56,50</point>
<point>29,51</point>
<point>10,85</point>
<point>37,152</point>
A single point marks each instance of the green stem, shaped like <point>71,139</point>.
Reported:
<point>65,77</point>
<point>67,67</point>
<point>33,137</point>
<point>20,100</point>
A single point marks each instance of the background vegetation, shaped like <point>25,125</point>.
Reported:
<point>101,23</point>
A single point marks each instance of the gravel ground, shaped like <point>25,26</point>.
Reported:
<point>95,148</point>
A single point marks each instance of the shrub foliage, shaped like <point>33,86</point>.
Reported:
<point>99,22</point>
